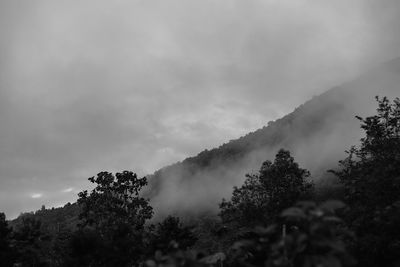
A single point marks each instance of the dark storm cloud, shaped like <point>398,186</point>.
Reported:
<point>87,86</point>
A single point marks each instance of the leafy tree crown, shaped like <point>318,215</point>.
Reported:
<point>114,201</point>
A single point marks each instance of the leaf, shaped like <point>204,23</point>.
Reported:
<point>332,205</point>
<point>158,255</point>
<point>240,244</point>
<point>151,263</point>
<point>333,219</point>
<point>301,239</point>
<point>293,212</point>
<point>213,259</point>
<point>396,204</point>
<point>306,204</point>
<point>265,231</point>
<point>332,262</point>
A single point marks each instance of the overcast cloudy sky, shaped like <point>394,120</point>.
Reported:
<point>87,86</point>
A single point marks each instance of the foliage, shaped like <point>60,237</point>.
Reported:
<point>60,248</point>
<point>113,217</point>
<point>262,196</point>
<point>115,201</point>
<point>371,172</point>
<point>177,258</point>
<point>371,177</point>
<point>7,253</point>
<point>170,233</point>
<point>31,243</point>
<point>309,235</point>
<point>211,235</point>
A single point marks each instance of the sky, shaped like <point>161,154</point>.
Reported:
<point>90,86</point>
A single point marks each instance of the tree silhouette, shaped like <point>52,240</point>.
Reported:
<point>31,242</point>
<point>371,177</point>
<point>263,196</point>
<point>7,254</point>
<point>171,234</point>
<point>113,215</point>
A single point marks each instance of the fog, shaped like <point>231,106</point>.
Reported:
<point>94,85</point>
<point>317,134</point>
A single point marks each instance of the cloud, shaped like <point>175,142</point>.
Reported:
<point>87,86</point>
<point>68,190</point>
<point>37,195</point>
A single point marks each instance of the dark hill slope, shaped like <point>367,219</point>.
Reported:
<point>317,133</point>
<point>52,220</point>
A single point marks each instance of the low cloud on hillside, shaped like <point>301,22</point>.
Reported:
<point>96,85</point>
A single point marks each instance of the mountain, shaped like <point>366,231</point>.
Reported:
<point>52,220</point>
<point>317,133</point>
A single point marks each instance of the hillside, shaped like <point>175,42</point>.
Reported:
<point>317,133</point>
<point>53,220</point>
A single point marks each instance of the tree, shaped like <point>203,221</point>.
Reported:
<point>31,242</point>
<point>7,254</point>
<point>371,178</point>
<point>115,201</point>
<point>308,235</point>
<point>371,171</point>
<point>263,196</point>
<point>171,234</point>
<point>114,215</point>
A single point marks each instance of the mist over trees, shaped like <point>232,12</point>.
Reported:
<point>275,218</point>
<point>316,133</point>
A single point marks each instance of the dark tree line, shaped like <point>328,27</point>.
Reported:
<point>371,178</point>
<point>274,219</point>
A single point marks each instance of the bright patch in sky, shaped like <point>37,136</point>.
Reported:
<point>68,190</point>
<point>36,195</point>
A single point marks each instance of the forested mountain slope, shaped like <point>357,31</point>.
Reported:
<point>317,133</point>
